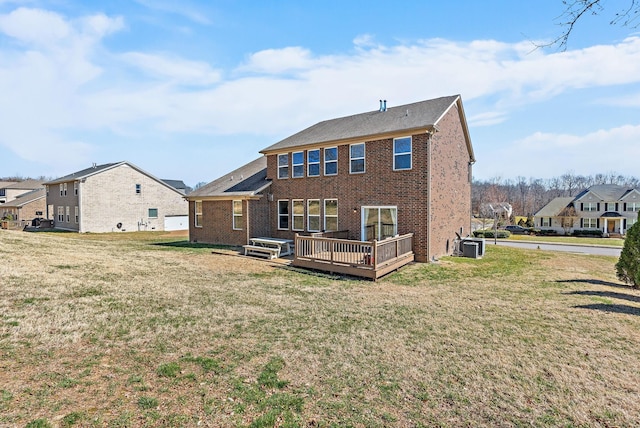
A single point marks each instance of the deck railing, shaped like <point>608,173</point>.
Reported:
<point>361,258</point>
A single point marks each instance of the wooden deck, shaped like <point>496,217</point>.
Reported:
<point>358,258</point>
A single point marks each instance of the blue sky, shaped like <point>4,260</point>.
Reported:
<point>193,89</point>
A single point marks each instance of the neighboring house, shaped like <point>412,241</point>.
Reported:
<point>11,190</point>
<point>113,197</point>
<point>610,208</point>
<point>374,175</point>
<point>178,185</point>
<point>25,207</point>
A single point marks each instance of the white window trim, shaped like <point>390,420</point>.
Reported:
<point>196,215</point>
<point>326,162</point>
<point>294,165</point>
<point>65,189</point>
<point>330,216</point>
<point>309,215</point>
<point>148,209</point>
<point>590,220</point>
<point>77,214</point>
<point>281,177</point>
<point>633,207</point>
<point>234,215</point>
<point>61,190</point>
<point>410,153</point>
<point>309,163</point>
<point>294,215</point>
<point>364,159</point>
<point>546,222</point>
<point>378,207</point>
<point>288,214</point>
<point>75,188</point>
<point>68,213</point>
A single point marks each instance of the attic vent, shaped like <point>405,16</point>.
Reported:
<point>383,105</point>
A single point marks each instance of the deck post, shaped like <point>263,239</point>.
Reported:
<point>374,253</point>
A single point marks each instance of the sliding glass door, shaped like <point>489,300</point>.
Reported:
<point>379,223</point>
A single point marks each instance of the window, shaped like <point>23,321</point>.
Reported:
<point>545,222</point>
<point>379,222</point>
<point>3,192</point>
<point>589,222</point>
<point>330,214</point>
<point>283,215</point>
<point>68,212</point>
<point>237,215</point>
<point>313,215</point>
<point>65,189</point>
<point>589,206</point>
<point>60,214</point>
<point>198,213</point>
<point>331,161</point>
<point>631,222</point>
<point>633,206</point>
<point>77,214</point>
<point>283,166</point>
<point>298,214</point>
<point>153,213</point>
<point>138,189</point>
<point>610,206</point>
<point>297,161</point>
<point>356,158</point>
<point>401,153</point>
<point>61,189</point>
<point>75,188</point>
<point>313,163</point>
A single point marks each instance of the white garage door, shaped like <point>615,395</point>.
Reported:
<point>176,222</point>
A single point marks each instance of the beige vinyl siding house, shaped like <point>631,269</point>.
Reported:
<point>112,197</point>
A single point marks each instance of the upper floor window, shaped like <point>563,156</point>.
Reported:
<point>283,214</point>
<point>75,188</point>
<point>330,214</point>
<point>297,162</point>
<point>65,189</point>
<point>3,192</point>
<point>331,161</point>
<point>633,206</point>
<point>153,213</point>
<point>283,166</point>
<point>356,158</point>
<point>77,214</point>
<point>313,215</point>
<point>138,189</point>
<point>313,163</point>
<point>610,206</point>
<point>198,214</point>
<point>589,206</point>
<point>401,153</point>
<point>298,214</point>
<point>237,215</point>
<point>61,190</point>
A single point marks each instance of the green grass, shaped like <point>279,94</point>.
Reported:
<point>141,334</point>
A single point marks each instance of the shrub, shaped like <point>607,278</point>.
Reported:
<point>489,233</point>
<point>628,266</point>
<point>587,232</point>
<point>546,232</point>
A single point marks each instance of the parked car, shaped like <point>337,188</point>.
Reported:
<point>517,230</point>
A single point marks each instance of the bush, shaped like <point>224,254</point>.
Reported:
<point>546,232</point>
<point>488,233</point>
<point>594,233</point>
<point>628,266</point>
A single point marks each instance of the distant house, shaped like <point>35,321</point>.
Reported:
<point>26,207</point>
<point>609,208</point>
<point>114,197</point>
<point>12,189</point>
<point>371,176</point>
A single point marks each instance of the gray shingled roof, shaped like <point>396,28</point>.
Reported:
<point>25,198</point>
<point>423,114</point>
<point>30,184</point>
<point>84,173</point>
<point>247,180</point>
<point>553,208</point>
<point>607,192</point>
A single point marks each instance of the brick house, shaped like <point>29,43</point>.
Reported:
<point>24,208</point>
<point>113,197</point>
<point>397,170</point>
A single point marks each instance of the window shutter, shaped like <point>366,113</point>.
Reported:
<point>624,224</point>
<point>581,206</point>
<point>598,208</point>
<point>616,206</point>
<point>624,207</point>
<point>598,222</point>
<point>581,222</point>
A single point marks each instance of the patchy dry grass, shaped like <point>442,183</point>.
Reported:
<point>127,330</point>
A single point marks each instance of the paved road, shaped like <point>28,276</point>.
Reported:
<point>580,249</point>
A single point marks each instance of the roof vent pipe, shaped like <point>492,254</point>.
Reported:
<point>380,109</point>
<point>384,105</point>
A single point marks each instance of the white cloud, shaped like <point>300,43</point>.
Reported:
<point>34,26</point>
<point>181,8</point>
<point>174,69</point>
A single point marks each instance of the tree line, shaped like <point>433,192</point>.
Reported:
<point>528,195</point>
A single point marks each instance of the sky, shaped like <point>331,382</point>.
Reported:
<point>191,90</point>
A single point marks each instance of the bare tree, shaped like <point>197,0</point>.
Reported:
<point>627,15</point>
<point>567,218</point>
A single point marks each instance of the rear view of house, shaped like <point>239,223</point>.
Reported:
<point>371,176</point>
<point>113,197</point>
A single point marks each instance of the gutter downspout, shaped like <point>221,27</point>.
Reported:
<point>430,135</point>
<point>246,202</point>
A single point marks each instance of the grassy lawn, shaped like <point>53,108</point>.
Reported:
<point>613,242</point>
<point>129,330</point>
